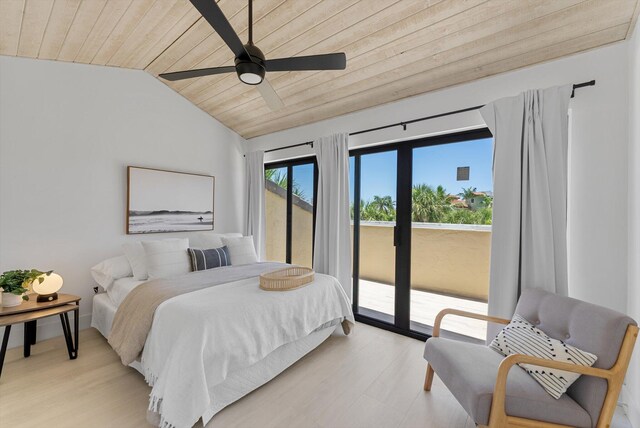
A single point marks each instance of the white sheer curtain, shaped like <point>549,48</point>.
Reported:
<point>255,220</point>
<point>332,250</point>
<point>529,237</point>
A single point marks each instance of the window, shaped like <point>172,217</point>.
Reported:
<point>290,192</point>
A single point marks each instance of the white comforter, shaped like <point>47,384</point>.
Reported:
<point>199,338</point>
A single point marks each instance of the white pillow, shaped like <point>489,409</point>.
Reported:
<point>134,251</point>
<point>167,258</point>
<point>522,337</point>
<point>232,235</point>
<point>111,269</point>
<point>241,250</point>
<point>208,240</point>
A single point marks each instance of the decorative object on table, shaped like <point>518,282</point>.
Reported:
<point>286,279</point>
<point>168,201</point>
<point>15,284</point>
<point>47,287</point>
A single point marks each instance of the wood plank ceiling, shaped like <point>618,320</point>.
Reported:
<point>395,48</point>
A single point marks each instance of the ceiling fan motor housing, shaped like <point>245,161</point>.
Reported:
<point>251,70</point>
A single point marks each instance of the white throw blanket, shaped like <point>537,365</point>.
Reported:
<point>198,339</point>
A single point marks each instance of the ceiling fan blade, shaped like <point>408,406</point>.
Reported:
<point>334,61</point>
<point>188,74</point>
<point>210,10</point>
<point>270,96</point>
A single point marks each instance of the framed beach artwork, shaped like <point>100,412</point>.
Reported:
<point>168,201</point>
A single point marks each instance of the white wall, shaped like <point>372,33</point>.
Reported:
<point>598,235</point>
<point>67,134</point>
<point>633,379</point>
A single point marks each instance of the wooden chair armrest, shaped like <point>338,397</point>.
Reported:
<point>500,388</point>
<point>614,377</point>
<point>442,313</point>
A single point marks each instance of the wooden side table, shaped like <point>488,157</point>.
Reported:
<point>30,312</point>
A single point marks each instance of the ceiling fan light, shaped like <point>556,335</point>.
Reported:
<point>250,78</point>
<point>250,72</point>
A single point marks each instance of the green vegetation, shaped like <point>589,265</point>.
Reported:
<point>280,178</point>
<point>431,205</point>
<point>17,281</point>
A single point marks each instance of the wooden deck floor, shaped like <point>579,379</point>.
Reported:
<point>424,307</point>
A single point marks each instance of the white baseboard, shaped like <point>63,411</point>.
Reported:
<point>632,406</point>
<point>47,328</point>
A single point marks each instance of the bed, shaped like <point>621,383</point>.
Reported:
<point>232,336</point>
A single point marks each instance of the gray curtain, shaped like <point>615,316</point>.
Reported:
<point>529,237</point>
<point>332,250</point>
<point>255,219</point>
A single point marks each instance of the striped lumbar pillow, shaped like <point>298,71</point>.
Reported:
<point>209,259</point>
<point>522,337</point>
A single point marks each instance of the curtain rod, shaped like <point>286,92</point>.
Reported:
<point>420,119</point>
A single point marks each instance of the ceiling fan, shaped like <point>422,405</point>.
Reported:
<point>250,63</point>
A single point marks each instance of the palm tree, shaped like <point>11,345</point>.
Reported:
<point>385,205</point>
<point>280,178</point>
<point>430,205</point>
<point>468,193</point>
<point>380,209</point>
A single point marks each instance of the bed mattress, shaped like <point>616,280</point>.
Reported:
<point>237,384</point>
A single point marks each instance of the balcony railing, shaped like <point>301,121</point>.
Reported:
<point>450,259</point>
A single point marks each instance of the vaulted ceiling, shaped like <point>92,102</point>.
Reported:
<point>395,48</point>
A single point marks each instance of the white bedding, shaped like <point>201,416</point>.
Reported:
<point>121,288</point>
<point>237,384</point>
<point>220,331</point>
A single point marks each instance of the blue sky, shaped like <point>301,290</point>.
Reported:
<point>435,165</point>
<point>303,175</point>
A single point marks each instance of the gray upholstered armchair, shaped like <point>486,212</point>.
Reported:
<point>496,392</point>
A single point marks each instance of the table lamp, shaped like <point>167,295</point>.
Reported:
<point>47,289</point>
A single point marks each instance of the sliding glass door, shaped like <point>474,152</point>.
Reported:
<point>451,234</point>
<point>276,207</point>
<point>302,214</point>
<point>290,191</point>
<point>421,213</point>
<point>376,211</point>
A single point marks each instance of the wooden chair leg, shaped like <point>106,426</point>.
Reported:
<point>428,380</point>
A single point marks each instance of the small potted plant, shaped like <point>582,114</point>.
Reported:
<point>15,283</point>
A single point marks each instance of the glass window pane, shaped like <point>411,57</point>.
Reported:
<point>451,234</point>
<point>276,214</point>
<point>302,216</point>
<point>376,290</point>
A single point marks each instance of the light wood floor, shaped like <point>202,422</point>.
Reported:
<point>372,378</point>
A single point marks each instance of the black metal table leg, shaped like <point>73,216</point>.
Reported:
<point>3,350</point>
<point>27,340</point>
<point>29,337</point>
<point>66,328</point>
<point>76,327</point>
<point>34,329</point>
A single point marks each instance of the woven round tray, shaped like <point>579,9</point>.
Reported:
<point>286,279</point>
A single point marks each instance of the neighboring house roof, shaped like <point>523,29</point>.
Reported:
<point>459,203</point>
